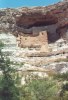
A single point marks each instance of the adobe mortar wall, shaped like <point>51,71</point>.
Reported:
<point>38,41</point>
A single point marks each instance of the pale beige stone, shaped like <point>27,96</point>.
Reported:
<point>38,41</point>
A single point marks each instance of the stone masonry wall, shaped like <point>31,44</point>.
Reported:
<point>30,40</point>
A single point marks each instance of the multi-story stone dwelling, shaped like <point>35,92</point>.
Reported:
<point>39,40</point>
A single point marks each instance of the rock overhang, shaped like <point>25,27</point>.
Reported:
<point>36,20</point>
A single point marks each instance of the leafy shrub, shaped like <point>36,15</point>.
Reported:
<point>40,90</point>
<point>63,76</point>
<point>1,44</point>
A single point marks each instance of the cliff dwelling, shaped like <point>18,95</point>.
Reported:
<point>36,32</point>
<point>38,37</point>
<point>39,40</point>
<point>52,20</point>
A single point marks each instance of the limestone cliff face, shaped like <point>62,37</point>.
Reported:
<point>53,19</point>
<point>39,26</point>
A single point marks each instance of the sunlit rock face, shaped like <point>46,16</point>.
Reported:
<point>11,48</point>
<point>9,42</point>
<point>8,39</point>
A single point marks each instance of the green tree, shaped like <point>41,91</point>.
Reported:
<point>8,90</point>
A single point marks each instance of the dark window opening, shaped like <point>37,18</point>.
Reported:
<point>25,38</point>
<point>42,33</point>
